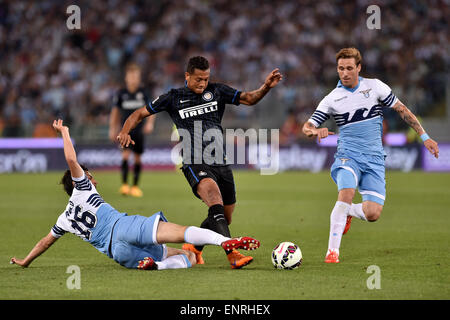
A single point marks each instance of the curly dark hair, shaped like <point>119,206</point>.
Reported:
<point>66,180</point>
<point>197,62</point>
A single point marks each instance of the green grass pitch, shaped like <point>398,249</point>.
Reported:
<point>409,244</point>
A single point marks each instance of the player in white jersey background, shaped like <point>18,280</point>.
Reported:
<point>356,104</point>
<point>133,241</point>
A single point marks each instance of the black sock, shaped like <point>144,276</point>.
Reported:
<point>217,220</point>
<point>124,169</point>
<point>137,173</point>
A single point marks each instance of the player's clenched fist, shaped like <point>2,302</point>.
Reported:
<point>124,139</point>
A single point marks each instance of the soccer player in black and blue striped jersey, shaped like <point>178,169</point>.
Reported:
<point>196,109</point>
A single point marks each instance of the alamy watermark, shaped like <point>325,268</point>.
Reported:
<point>212,146</point>
<point>74,20</point>
<point>374,281</point>
<point>74,280</point>
<point>374,20</point>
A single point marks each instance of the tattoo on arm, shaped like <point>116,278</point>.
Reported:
<point>254,96</point>
<point>409,117</point>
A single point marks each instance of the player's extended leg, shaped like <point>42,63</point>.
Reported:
<point>125,188</point>
<point>173,233</point>
<point>338,221</point>
<point>209,192</point>
<point>174,259</point>
<point>346,182</point>
<point>168,232</point>
<point>135,191</point>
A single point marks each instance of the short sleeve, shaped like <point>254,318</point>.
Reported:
<point>228,94</point>
<point>385,95</point>
<point>60,227</point>
<point>321,114</point>
<point>116,100</point>
<point>162,103</point>
<point>82,183</point>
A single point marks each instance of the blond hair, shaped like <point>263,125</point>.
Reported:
<point>132,66</point>
<point>347,53</point>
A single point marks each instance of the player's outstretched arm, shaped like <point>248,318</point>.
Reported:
<point>412,121</point>
<point>38,249</point>
<point>253,97</point>
<point>114,123</point>
<point>311,131</point>
<point>132,121</point>
<point>69,152</point>
<point>149,124</point>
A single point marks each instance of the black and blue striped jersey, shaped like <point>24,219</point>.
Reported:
<point>127,102</point>
<point>198,119</point>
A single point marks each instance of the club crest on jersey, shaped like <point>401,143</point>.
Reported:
<point>198,110</point>
<point>208,96</point>
<point>344,160</point>
<point>365,93</point>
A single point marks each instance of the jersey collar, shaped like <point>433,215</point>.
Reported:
<point>340,85</point>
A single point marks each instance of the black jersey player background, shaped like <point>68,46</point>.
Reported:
<point>125,102</point>
<point>201,104</point>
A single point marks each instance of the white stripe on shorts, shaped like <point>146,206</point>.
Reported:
<point>373,193</point>
<point>352,171</point>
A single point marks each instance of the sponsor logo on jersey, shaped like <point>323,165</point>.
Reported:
<point>198,110</point>
<point>337,100</point>
<point>132,104</point>
<point>358,115</point>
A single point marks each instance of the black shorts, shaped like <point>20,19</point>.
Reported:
<point>222,175</point>
<point>138,146</point>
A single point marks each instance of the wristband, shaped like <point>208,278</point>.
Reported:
<point>424,137</point>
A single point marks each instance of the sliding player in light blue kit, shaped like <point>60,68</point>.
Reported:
<point>357,107</point>
<point>133,241</point>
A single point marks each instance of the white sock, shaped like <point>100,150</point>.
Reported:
<point>338,219</point>
<point>357,211</point>
<point>200,236</point>
<point>179,261</point>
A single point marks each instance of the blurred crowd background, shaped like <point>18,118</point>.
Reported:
<point>48,71</point>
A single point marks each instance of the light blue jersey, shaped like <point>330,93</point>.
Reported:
<point>358,114</point>
<point>87,216</point>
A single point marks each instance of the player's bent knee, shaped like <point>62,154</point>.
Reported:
<point>372,211</point>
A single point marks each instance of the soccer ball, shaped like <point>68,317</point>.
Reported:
<point>286,255</point>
